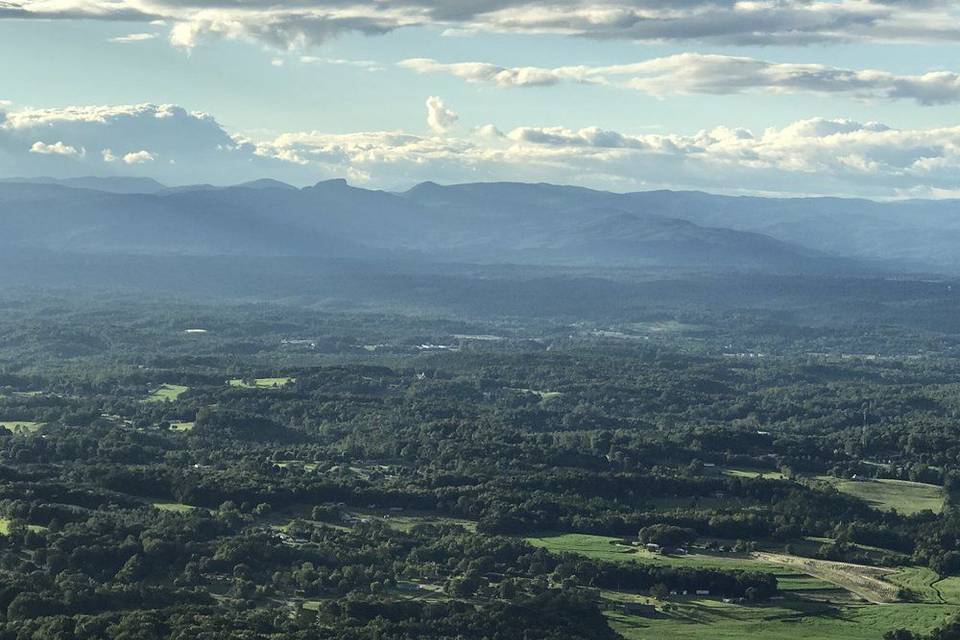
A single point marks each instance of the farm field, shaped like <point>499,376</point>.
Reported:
<point>21,426</point>
<point>5,526</point>
<point>766,474</point>
<point>608,549</point>
<point>167,392</point>
<point>903,496</point>
<point>870,583</point>
<point>782,620</point>
<point>261,383</point>
<point>544,395</point>
<point>794,573</point>
<point>927,585</point>
<point>173,506</point>
<point>406,521</point>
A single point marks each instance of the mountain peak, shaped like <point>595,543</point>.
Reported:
<point>266,183</point>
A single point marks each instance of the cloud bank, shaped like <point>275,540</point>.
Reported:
<point>291,24</point>
<point>811,156</point>
<point>688,73</point>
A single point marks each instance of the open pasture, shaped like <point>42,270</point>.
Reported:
<point>167,393</point>
<point>781,620</point>
<point>612,550</point>
<point>21,426</point>
<point>904,497</point>
<point>260,383</point>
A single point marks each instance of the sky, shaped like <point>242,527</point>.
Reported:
<point>770,97</point>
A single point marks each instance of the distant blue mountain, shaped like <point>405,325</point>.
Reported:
<point>509,223</point>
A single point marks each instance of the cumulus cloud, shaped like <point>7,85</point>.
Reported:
<point>55,149</point>
<point>127,137</point>
<point>813,156</point>
<point>440,118</point>
<point>293,24</point>
<point>828,156</point>
<point>133,37</point>
<point>138,157</point>
<point>713,74</point>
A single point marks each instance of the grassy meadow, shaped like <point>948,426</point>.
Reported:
<point>261,383</point>
<point>904,497</point>
<point>167,393</point>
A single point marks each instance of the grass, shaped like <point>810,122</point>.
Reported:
<point>789,619</point>
<point>5,526</point>
<point>21,426</point>
<point>794,582</point>
<point>406,522</point>
<point>605,548</point>
<point>173,506</point>
<point>870,583</point>
<point>927,585</point>
<point>766,474</point>
<point>167,393</point>
<point>793,573</point>
<point>181,426</point>
<point>261,383</point>
<point>544,395</point>
<point>905,497</point>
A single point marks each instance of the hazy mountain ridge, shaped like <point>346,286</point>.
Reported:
<point>479,222</point>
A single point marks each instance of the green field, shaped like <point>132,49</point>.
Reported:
<point>5,526</point>
<point>173,506</point>
<point>261,383</point>
<point>407,521</point>
<point>544,395</point>
<point>927,585</point>
<point>605,548</point>
<point>167,392</point>
<point>766,474</point>
<point>783,620</point>
<point>903,496</point>
<point>21,426</point>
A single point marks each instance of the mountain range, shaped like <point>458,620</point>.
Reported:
<point>484,223</point>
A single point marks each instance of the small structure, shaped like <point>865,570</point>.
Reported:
<point>702,592</point>
<point>652,548</point>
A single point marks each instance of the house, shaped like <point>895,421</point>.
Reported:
<point>652,548</point>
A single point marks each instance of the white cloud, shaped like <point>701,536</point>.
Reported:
<point>829,156</point>
<point>120,132</point>
<point>369,65</point>
<point>815,156</point>
<point>294,24</point>
<point>440,118</point>
<point>713,74</point>
<point>133,37</point>
<point>56,149</point>
<point>138,157</point>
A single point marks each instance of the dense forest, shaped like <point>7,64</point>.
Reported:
<point>174,468</point>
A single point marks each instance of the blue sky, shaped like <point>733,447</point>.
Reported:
<point>785,107</point>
